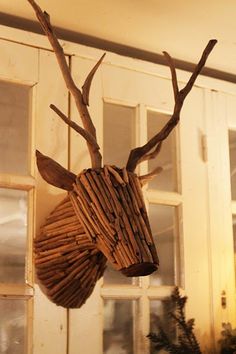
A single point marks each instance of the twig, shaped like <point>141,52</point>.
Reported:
<point>152,154</point>
<point>148,177</point>
<point>80,102</point>
<point>87,84</point>
<point>173,74</point>
<point>85,134</point>
<point>137,154</point>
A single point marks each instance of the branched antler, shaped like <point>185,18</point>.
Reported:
<point>147,178</point>
<point>81,98</point>
<point>142,153</point>
<point>84,133</point>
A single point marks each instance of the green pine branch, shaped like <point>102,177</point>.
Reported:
<point>228,340</point>
<point>186,342</point>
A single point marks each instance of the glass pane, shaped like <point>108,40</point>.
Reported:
<point>167,179</point>
<point>118,326</point>
<point>232,154</point>
<point>14,126</point>
<point>13,235</point>
<point>12,326</point>
<point>119,133</point>
<point>159,315</point>
<point>164,225</point>
<point>112,276</point>
<point>118,130</point>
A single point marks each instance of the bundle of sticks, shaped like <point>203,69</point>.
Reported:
<point>102,218</point>
<point>109,203</point>
<point>67,263</point>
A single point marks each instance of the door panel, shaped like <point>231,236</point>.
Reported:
<point>17,80</point>
<point>195,216</point>
<point>29,82</point>
<point>220,121</point>
<point>190,206</point>
<point>50,321</point>
<point>18,63</point>
<point>139,99</point>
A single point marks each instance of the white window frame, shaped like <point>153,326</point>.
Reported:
<point>216,105</point>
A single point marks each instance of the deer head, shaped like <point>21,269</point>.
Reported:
<point>107,201</point>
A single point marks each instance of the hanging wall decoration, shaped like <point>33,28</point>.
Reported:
<point>103,216</point>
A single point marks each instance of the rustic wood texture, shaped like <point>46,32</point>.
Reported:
<point>110,206</point>
<point>142,153</point>
<point>67,263</point>
<point>54,173</point>
<point>81,97</point>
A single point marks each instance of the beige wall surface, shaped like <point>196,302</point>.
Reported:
<point>181,27</point>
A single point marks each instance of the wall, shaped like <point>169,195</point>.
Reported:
<point>181,27</point>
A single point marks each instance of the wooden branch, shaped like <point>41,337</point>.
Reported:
<point>152,154</point>
<point>68,264</point>
<point>87,84</point>
<point>114,216</point>
<point>44,20</point>
<point>173,74</point>
<point>137,154</point>
<point>147,178</point>
<point>199,67</point>
<point>85,134</point>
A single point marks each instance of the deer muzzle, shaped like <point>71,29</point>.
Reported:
<point>109,204</point>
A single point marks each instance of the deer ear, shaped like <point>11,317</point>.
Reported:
<point>53,173</point>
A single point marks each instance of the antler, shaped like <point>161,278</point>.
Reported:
<point>81,97</point>
<point>143,153</point>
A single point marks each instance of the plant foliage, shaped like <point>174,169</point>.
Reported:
<point>228,342</point>
<point>185,341</point>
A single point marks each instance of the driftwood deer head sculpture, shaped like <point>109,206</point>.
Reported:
<point>104,215</point>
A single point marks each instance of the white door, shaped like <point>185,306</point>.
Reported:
<point>221,126</point>
<point>29,82</point>
<point>130,100</point>
<point>129,103</point>
<point>17,91</point>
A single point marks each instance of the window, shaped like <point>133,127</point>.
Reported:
<point>186,203</point>
<point>132,304</point>
<point>16,200</point>
<point>189,203</point>
<point>26,89</point>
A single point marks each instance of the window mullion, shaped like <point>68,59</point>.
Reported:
<point>16,291</point>
<point>143,325</point>
<point>16,181</point>
<point>141,134</point>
